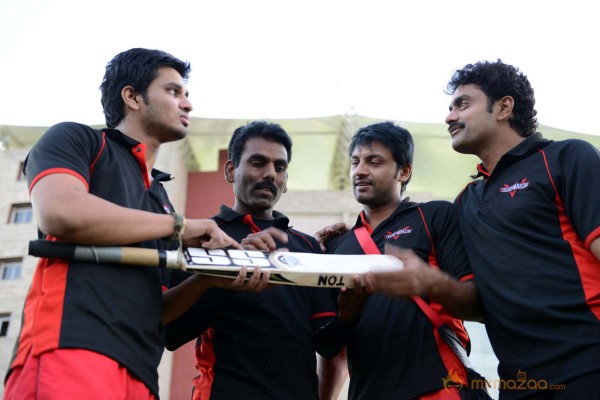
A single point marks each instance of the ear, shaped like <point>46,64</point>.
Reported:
<point>405,173</point>
<point>130,97</point>
<point>229,171</point>
<point>506,104</point>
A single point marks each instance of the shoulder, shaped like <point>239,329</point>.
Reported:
<point>572,155</point>
<point>469,187</point>
<point>338,240</point>
<point>437,205</point>
<point>65,132</point>
<point>575,145</point>
<point>570,143</point>
<point>437,208</point>
<point>73,128</point>
<point>304,240</point>
<point>572,147</point>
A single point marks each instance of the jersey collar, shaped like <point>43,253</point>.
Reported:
<point>530,145</point>
<point>227,214</point>
<point>129,143</point>
<point>404,205</point>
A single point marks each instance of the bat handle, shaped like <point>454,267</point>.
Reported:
<point>107,255</point>
<point>50,249</point>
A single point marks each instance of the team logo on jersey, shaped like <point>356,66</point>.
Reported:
<point>167,208</point>
<point>399,232</point>
<point>512,189</point>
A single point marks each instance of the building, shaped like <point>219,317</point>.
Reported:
<point>318,175</point>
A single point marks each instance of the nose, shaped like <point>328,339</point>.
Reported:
<point>269,172</point>
<point>359,169</point>
<point>451,117</point>
<point>186,104</point>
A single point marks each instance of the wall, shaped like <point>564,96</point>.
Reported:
<point>14,240</point>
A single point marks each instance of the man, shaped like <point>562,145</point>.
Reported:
<point>256,345</point>
<point>394,351</point>
<point>531,225</point>
<point>532,239</point>
<point>94,330</point>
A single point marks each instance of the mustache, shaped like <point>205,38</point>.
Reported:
<point>451,126</point>
<point>266,185</point>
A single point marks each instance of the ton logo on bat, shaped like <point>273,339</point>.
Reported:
<point>331,280</point>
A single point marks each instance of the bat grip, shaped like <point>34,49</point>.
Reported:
<point>104,255</point>
<point>46,248</point>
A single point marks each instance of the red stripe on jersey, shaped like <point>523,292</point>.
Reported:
<point>58,171</point>
<point>323,315</point>
<point>293,232</point>
<point>591,237</point>
<point>587,264</point>
<point>99,153</point>
<point>205,361</point>
<point>43,310</point>
<point>454,323</point>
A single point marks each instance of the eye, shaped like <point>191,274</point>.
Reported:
<point>280,168</point>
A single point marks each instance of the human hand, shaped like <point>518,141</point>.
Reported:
<point>329,232</point>
<point>264,240</point>
<point>205,233</point>
<point>414,279</point>
<point>255,281</point>
<point>351,300</point>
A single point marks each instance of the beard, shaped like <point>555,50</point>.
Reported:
<point>156,126</point>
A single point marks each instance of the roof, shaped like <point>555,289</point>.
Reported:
<point>320,160</point>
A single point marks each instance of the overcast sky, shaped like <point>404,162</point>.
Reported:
<point>283,59</point>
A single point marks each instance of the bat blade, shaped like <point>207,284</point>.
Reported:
<point>289,268</point>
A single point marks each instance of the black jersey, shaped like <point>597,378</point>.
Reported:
<point>528,227</point>
<point>393,353</point>
<point>114,310</point>
<point>255,345</point>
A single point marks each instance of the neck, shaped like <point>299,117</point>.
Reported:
<point>376,215</point>
<point>134,131</point>
<point>254,212</point>
<point>503,143</point>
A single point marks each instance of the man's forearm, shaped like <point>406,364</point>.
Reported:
<point>461,299</point>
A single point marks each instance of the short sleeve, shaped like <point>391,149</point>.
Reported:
<point>65,148</point>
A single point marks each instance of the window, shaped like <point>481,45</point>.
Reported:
<point>20,175</point>
<point>21,214</point>
<point>4,322</point>
<point>10,269</point>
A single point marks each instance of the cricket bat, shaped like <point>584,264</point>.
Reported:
<point>288,268</point>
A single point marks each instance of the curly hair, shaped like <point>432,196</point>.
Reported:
<point>496,80</point>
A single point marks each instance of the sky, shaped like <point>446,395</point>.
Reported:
<point>265,59</point>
